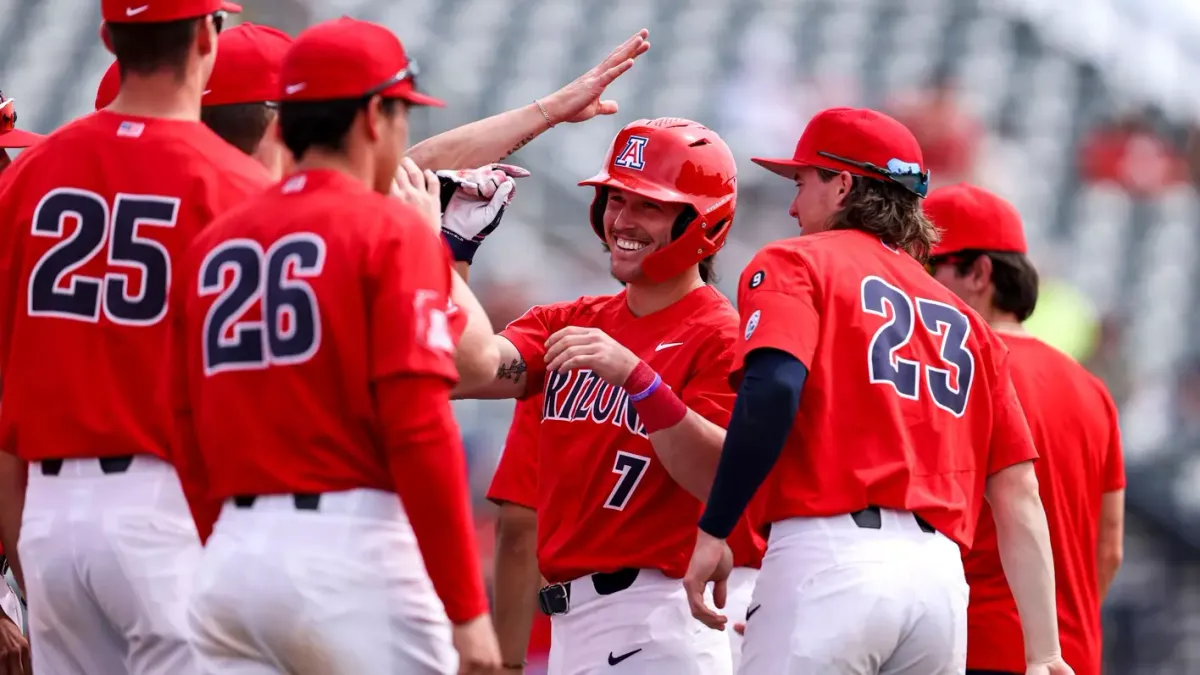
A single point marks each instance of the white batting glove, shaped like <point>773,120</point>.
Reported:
<point>473,203</point>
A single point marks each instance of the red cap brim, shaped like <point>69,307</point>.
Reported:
<point>231,7</point>
<point>783,167</point>
<point>418,99</point>
<point>18,138</point>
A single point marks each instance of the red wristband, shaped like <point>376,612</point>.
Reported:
<point>660,408</point>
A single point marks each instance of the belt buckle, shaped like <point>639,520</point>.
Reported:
<point>554,599</point>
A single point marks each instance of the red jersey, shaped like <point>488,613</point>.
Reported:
<point>516,477</point>
<point>606,503</point>
<point>279,372</point>
<point>1074,424</point>
<point>908,403</point>
<point>96,221</point>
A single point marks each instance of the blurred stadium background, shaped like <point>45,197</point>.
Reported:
<point>1080,113</point>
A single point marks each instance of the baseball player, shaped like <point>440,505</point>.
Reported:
<point>239,102</point>
<point>634,385</point>
<point>514,490</point>
<point>94,219</point>
<point>517,579</point>
<point>878,472</point>
<point>14,648</point>
<point>1081,473</point>
<point>312,364</point>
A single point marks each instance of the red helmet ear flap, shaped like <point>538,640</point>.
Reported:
<point>703,237</point>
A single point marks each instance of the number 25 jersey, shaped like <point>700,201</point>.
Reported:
<point>908,403</point>
<point>93,223</point>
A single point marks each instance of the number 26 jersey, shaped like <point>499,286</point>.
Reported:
<point>908,403</point>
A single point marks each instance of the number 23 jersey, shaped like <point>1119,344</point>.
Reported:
<point>908,404</point>
<point>605,501</point>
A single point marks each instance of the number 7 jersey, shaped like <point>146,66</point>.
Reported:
<point>908,403</point>
<point>95,221</point>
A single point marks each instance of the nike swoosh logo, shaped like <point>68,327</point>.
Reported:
<point>134,11</point>
<point>614,660</point>
<point>750,612</point>
<point>293,88</point>
<point>665,345</point>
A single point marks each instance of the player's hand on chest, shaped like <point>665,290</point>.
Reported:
<point>592,348</point>
<point>589,348</point>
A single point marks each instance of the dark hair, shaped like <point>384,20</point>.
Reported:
<point>147,48</point>
<point>241,125</point>
<point>888,211</point>
<point>1013,275</point>
<point>324,124</point>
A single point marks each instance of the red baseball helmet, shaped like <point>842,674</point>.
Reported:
<point>678,161</point>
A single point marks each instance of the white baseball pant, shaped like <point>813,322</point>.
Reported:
<point>738,592</point>
<point>109,561</point>
<point>341,590</point>
<point>646,629</point>
<point>836,599</point>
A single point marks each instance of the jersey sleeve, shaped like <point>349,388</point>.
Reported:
<point>1114,460</point>
<point>777,303</point>
<point>408,286</point>
<point>529,333</point>
<point>515,481</point>
<point>708,392</point>
<point>1012,441</point>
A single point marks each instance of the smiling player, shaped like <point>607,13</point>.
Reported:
<point>634,383</point>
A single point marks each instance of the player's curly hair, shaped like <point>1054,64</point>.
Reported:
<point>888,211</point>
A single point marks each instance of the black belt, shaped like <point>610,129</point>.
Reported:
<point>556,598</point>
<point>871,518</point>
<point>108,465</point>
<point>304,501</point>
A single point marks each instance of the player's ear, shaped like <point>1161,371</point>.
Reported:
<point>106,37</point>
<point>979,275</point>
<point>375,119</point>
<point>206,36</point>
<point>845,182</point>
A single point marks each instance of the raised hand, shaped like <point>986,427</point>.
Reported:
<point>580,100</point>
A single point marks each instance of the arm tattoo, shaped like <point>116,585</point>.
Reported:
<point>523,142</point>
<point>512,371</point>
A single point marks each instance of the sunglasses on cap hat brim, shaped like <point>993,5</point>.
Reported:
<point>413,96</point>
<point>915,182</point>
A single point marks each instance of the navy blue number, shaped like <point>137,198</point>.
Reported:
<point>296,337</point>
<point>227,343</point>
<point>950,390</point>
<point>289,331</point>
<point>631,468</point>
<point>885,366</point>
<point>127,248</point>
<point>81,299</point>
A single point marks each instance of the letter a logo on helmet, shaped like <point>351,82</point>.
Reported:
<point>691,166</point>
<point>633,156</point>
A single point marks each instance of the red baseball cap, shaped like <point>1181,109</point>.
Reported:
<point>110,86</point>
<point>863,142</point>
<point>10,136</point>
<point>971,218</point>
<point>345,59</point>
<point>249,58</point>
<point>162,11</point>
